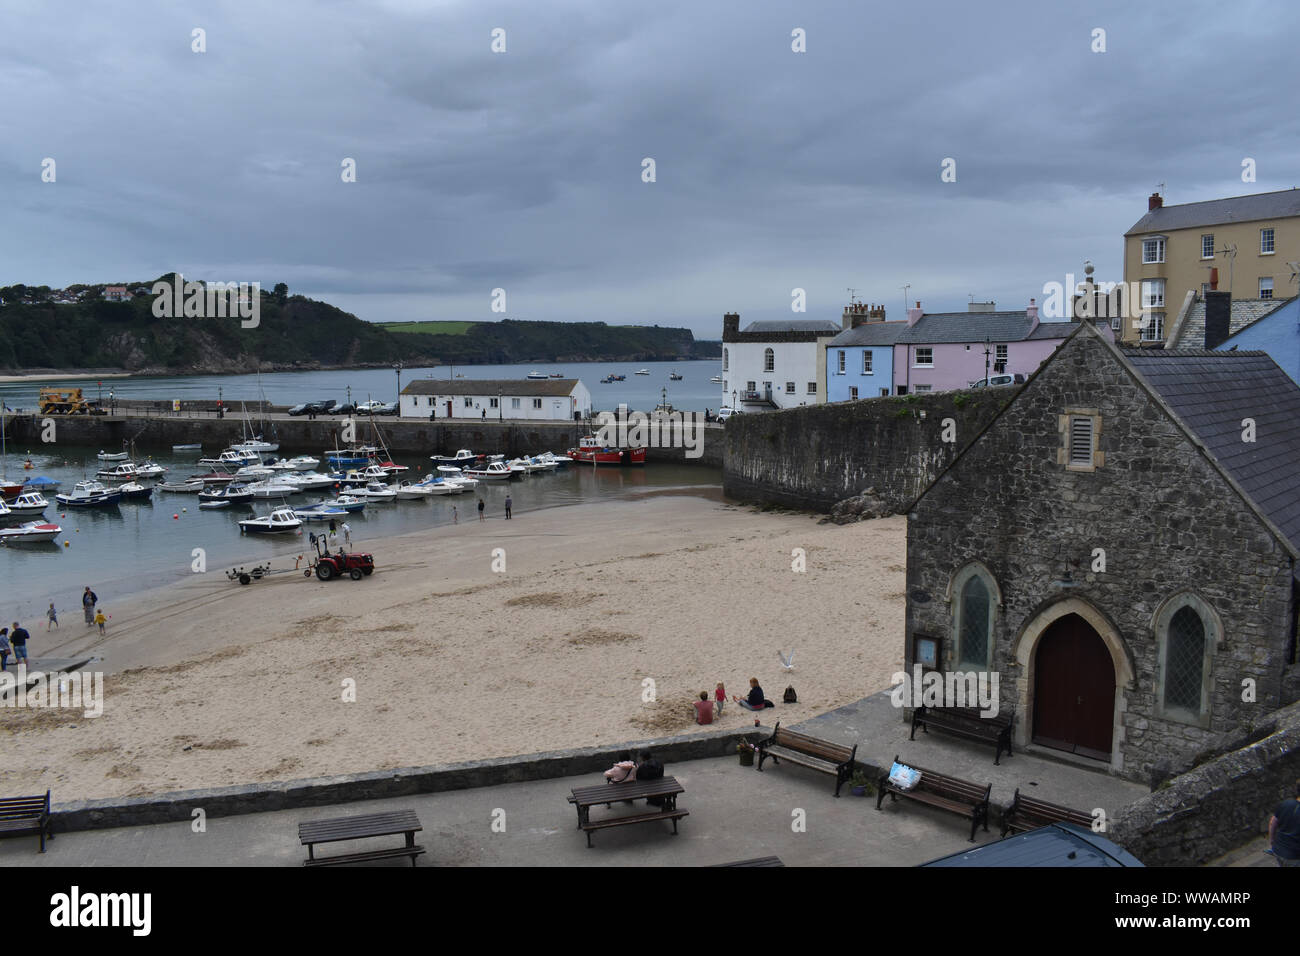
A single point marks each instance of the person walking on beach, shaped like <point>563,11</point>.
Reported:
<point>100,620</point>
<point>455,515</point>
<point>480,509</point>
<point>509,504</point>
<point>18,638</point>
<point>53,616</point>
<point>4,648</point>
<point>88,601</point>
<point>347,534</point>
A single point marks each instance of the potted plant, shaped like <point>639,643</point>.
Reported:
<point>746,751</point>
<point>859,784</point>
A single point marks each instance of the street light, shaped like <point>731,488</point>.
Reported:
<point>733,401</point>
<point>350,395</point>
<point>219,405</point>
<point>398,369</point>
<point>501,408</point>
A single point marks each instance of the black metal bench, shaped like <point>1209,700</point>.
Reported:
<point>360,828</point>
<point>820,755</point>
<point>664,788</point>
<point>1026,813</point>
<point>22,815</point>
<point>967,722</point>
<point>953,794</point>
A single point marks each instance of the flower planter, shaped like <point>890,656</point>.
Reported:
<point>747,758</point>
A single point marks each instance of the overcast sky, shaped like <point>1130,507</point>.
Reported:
<point>522,170</point>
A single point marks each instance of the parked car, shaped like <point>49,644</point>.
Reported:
<point>386,408</point>
<point>995,381</point>
<point>300,409</point>
<point>726,412</point>
<point>344,409</point>
<point>327,407</point>
<point>372,406</point>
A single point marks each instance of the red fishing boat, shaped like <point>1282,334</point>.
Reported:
<point>590,449</point>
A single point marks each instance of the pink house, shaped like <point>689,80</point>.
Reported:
<point>950,350</point>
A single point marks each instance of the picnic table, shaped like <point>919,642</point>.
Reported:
<point>665,788</point>
<point>361,828</point>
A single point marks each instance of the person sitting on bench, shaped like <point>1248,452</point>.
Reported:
<point>650,769</point>
<point>755,700</point>
<point>624,771</point>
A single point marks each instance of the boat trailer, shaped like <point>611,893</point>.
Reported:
<point>256,573</point>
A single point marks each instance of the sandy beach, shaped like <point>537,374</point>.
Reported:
<point>210,683</point>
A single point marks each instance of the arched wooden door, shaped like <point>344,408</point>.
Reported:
<point>1074,689</point>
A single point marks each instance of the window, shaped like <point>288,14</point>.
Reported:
<point>1080,430</point>
<point>725,358</point>
<point>973,604</point>
<point>841,371</point>
<point>1153,293</point>
<point>769,360</point>
<point>812,388</point>
<point>429,400</point>
<point>514,403</point>
<point>789,388</point>
<point>1153,329</point>
<point>1207,246</point>
<point>1187,631</point>
<point>469,402</point>
<point>493,402</point>
<point>1153,250</point>
<point>1266,242</point>
<point>853,393</point>
<point>922,388</point>
<point>925,356</point>
<point>537,403</point>
<point>1266,287</point>
<point>1080,440</point>
<point>749,387</point>
<point>1001,354</point>
<point>866,362</point>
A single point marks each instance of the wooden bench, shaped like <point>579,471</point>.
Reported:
<point>665,788</point>
<point>967,722</point>
<point>22,815</point>
<point>361,828</point>
<point>957,796</point>
<point>820,755</point>
<point>1026,813</point>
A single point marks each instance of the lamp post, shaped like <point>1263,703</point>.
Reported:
<point>733,401</point>
<point>501,409</point>
<point>986,360</point>
<point>398,369</point>
<point>219,405</point>
<point>350,395</point>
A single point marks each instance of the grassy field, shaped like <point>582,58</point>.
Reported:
<point>429,328</point>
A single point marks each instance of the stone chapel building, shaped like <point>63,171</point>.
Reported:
<point>1120,545</point>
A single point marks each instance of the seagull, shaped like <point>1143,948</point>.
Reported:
<point>786,662</point>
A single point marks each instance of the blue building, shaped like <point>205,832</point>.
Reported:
<point>860,360</point>
<point>1277,333</point>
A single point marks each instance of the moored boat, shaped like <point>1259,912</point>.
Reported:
<point>462,459</point>
<point>492,471</point>
<point>279,521</point>
<point>31,532</point>
<point>134,491</point>
<point>191,486</point>
<point>112,456</point>
<point>90,494</point>
<point>590,450</point>
<point>347,503</point>
<point>321,511</point>
<point>28,503</point>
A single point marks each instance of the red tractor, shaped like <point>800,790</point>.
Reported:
<point>357,564</point>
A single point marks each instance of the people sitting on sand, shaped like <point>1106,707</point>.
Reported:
<point>624,771</point>
<point>755,700</point>
<point>650,769</point>
<point>703,709</point>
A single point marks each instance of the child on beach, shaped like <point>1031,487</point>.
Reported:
<point>719,697</point>
<point>100,620</point>
<point>480,509</point>
<point>455,515</point>
<point>53,616</point>
<point>4,648</point>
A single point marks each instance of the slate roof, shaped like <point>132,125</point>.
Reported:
<point>1244,312</point>
<point>1211,392</point>
<point>948,327</point>
<point>1061,844</point>
<point>491,386</point>
<point>792,325</point>
<point>1213,212</point>
<point>870,333</point>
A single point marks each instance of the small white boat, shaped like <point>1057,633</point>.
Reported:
<point>253,472</point>
<point>463,458</point>
<point>519,466</point>
<point>149,470</point>
<point>232,459</point>
<point>122,472</point>
<point>29,503</point>
<point>279,521</point>
<point>300,463</point>
<point>414,490</point>
<point>457,478</point>
<point>134,491</point>
<point>492,471</point>
<point>557,461</point>
<point>348,503</point>
<point>256,446</point>
<point>307,480</point>
<point>321,511</point>
<point>272,488</point>
<point>232,494</point>
<point>642,371</point>
<point>194,447</point>
<point>31,532</point>
<point>90,494</point>
<point>114,456</point>
<point>378,491</point>
<point>535,375</point>
<point>191,486</point>
<point>716,380</point>
<point>214,504</point>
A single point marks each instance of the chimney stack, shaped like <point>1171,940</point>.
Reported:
<point>1218,313</point>
<point>1155,201</point>
<point>1214,278</point>
<point>730,326</point>
<point>914,315</point>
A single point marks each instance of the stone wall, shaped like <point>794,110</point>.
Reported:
<point>812,457</point>
<point>1168,523</point>
<point>1218,806</point>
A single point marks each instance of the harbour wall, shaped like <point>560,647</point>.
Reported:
<point>157,429</point>
<point>810,458</point>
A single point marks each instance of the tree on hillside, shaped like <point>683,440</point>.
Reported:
<point>281,293</point>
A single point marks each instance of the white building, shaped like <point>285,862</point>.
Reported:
<point>554,399</point>
<point>774,364</point>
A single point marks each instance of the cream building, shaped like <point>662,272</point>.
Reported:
<point>1242,245</point>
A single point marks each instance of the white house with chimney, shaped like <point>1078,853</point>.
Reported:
<point>774,364</point>
<point>554,399</point>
